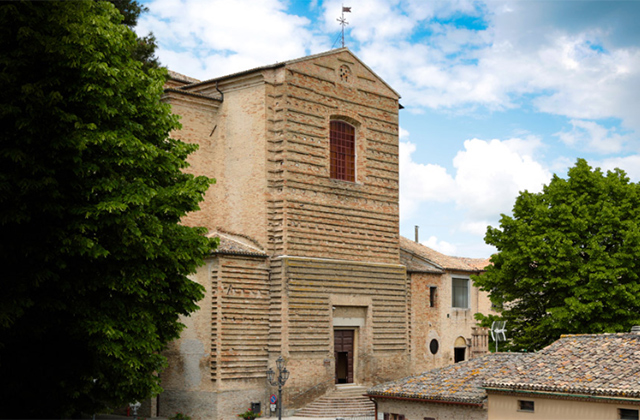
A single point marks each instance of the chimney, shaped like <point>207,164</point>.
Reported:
<point>417,233</point>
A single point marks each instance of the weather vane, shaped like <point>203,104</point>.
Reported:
<point>343,21</point>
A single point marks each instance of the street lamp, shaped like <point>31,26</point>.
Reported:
<point>283,375</point>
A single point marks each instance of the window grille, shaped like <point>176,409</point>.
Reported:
<point>627,414</point>
<point>524,405</point>
<point>342,138</point>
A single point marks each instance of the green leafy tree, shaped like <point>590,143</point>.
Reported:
<point>145,47</point>
<point>94,260</point>
<point>568,260</point>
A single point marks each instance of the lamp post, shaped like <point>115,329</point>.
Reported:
<point>283,375</point>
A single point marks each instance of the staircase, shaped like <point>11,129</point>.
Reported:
<point>344,401</point>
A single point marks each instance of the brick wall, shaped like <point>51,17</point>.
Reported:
<point>311,214</point>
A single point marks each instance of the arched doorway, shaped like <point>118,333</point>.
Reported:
<point>459,350</point>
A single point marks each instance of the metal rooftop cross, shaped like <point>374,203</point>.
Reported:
<point>343,21</point>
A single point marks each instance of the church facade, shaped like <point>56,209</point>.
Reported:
<point>305,157</point>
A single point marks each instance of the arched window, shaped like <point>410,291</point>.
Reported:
<point>343,151</point>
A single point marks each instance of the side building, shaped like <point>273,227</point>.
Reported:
<point>443,302</point>
<point>578,377</point>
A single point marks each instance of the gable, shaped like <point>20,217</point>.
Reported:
<point>341,66</point>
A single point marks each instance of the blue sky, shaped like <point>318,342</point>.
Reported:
<point>498,95</point>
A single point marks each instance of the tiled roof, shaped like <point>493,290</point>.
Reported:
<point>417,265</point>
<point>591,364</point>
<point>236,245</point>
<point>288,62</point>
<point>217,98</point>
<point>444,261</point>
<point>181,77</point>
<point>459,382</point>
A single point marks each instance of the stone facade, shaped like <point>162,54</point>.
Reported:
<point>304,256</point>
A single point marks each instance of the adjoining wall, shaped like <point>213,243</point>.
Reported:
<point>218,366</point>
<point>231,139</point>
<point>416,410</point>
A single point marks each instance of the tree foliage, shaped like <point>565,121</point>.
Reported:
<point>94,260</point>
<point>568,260</point>
<point>145,47</point>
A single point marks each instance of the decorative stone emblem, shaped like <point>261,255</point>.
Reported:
<point>345,73</point>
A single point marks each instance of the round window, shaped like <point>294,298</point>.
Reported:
<point>433,346</point>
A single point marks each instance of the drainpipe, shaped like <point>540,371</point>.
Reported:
<point>220,92</point>
<point>375,404</point>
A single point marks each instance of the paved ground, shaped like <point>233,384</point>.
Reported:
<point>114,417</point>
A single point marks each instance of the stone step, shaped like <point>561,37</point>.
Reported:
<point>344,401</point>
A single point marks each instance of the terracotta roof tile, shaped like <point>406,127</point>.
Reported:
<point>460,382</point>
<point>181,77</point>
<point>591,364</point>
<point>443,261</point>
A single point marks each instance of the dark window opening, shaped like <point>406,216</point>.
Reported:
<point>433,296</point>
<point>627,414</point>
<point>434,346</point>
<point>458,354</point>
<point>525,405</point>
<point>343,152</point>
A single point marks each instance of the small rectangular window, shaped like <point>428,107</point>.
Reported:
<point>525,406</point>
<point>433,296</point>
<point>627,414</point>
<point>460,293</point>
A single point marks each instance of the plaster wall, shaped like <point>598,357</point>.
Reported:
<point>505,407</point>
<point>415,410</point>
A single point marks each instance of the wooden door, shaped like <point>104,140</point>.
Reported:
<point>343,352</point>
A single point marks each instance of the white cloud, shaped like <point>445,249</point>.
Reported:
<point>370,19</point>
<point>215,37</point>
<point>420,182</point>
<point>525,50</point>
<point>630,164</point>
<point>489,176</point>
<point>595,137</point>
<point>478,228</point>
<point>440,246</point>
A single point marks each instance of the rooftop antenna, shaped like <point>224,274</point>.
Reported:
<point>497,332</point>
<point>343,21</point>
